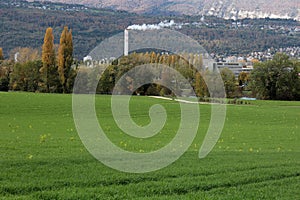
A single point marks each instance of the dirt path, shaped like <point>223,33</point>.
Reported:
<point>179,100</point>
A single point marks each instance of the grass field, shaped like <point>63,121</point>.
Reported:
<point>42,157</point>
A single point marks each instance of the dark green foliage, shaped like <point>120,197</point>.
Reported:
<point>26,76</point>
<point>229,82</point>
<point>276,79</point>
<point>5,70</point>
<point>71,79</point>
<point>114,72</point>
<point>153,89</point>
<point>4,84</point>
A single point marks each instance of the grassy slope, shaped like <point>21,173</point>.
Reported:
<point>41,155</point>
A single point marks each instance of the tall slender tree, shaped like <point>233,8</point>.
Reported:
<point>49,69</point>
<point>1,54</point>
<point>200,85</point>
<point>65,58</point>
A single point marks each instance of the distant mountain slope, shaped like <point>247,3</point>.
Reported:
<point>230,9</point>
<point>24,24</point>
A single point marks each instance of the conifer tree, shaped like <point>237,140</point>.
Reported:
<point>65,58</point>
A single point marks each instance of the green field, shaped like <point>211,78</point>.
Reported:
<point>42,157</point>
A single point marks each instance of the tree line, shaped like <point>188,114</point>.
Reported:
<point>277,79</point>
<point>52,72</point>
<point>49,72</point>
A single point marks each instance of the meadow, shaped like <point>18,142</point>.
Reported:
<point>42,156</point>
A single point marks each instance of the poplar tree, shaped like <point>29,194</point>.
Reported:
<point>49,69</point>
<point>1,54</point>
<point>65,58</point>
<point>200,86</point>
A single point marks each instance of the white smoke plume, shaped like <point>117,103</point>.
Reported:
<point>144,27</point>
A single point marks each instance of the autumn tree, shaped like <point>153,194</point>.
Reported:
<point>243,78</point>
<point>153,57</point>
<point>1,54</point>
<point>200,86</point>
<point>49,69</point>
<point>24,54</point>
<point>229,81</point>
<point>65,58</point>
<point>165,82</point>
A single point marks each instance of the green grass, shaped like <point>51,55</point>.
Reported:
<point>42,157</point>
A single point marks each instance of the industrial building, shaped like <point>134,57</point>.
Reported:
<point>235,67</point>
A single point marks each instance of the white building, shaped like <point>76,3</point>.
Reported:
<point>235,67</point>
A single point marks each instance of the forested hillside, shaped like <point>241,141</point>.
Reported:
<point>24,26</point>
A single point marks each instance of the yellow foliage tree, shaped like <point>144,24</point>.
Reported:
<point>65,58</point>
<point>49,69</point>
<point>200,86</point>
<point>1,54</point>
<point>243,78</point>
<point>24,54</point>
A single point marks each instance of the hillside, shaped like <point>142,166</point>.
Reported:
<point>24,25</point>
<point>229,9</point>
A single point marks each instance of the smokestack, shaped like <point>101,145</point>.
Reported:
<point>126,42</point>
